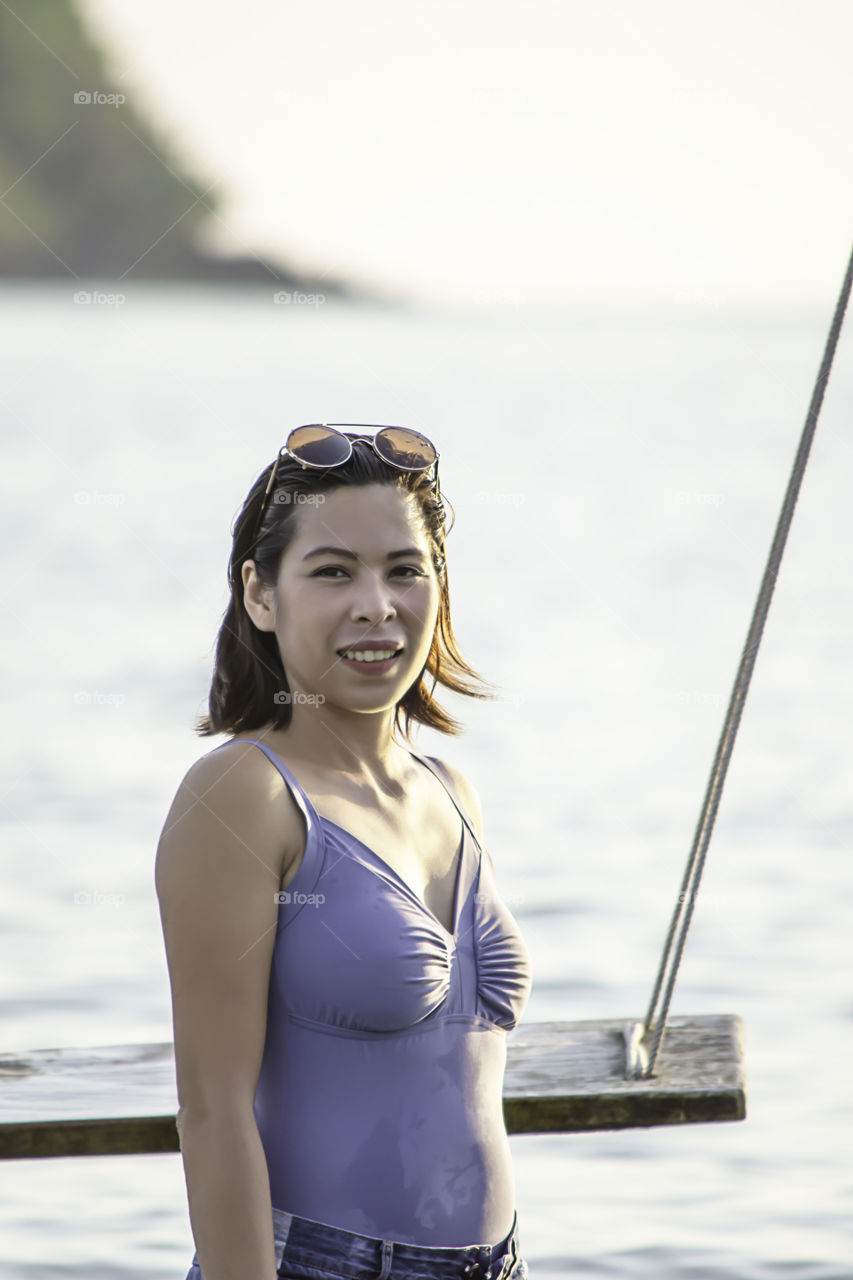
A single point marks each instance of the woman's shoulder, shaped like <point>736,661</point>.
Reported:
<point>239,760</point>
<point>467,794</point>
<point>238,788</point>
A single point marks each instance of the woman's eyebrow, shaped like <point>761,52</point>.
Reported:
<point>344,551</point>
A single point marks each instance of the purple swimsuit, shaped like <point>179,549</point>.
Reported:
<point>379,1100</point>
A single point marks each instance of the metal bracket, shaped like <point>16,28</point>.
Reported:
<point>636,1056</point>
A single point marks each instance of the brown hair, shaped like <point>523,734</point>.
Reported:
<point>248,670</point>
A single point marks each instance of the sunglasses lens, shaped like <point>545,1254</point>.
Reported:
<point>408,450</point>
<point>319,446</point>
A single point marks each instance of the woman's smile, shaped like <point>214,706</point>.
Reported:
<point>374,665</point>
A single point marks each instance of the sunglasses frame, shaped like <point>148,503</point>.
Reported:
<point>377,428</point>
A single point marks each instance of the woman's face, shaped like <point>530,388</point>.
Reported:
<point>358,571</point>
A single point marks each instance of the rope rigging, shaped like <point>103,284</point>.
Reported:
<point>640,1059</point>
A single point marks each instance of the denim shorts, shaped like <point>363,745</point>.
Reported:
<point>308,1250</point>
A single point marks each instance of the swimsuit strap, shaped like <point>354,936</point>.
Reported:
<point>303,800</point>
<point>441,772</point>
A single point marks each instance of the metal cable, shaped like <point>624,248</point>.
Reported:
<point>705,825</point>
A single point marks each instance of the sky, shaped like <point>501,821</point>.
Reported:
<point>547,152</point>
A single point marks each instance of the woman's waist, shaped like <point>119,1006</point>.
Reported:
<point>457,1100</point>
<point>407,1179</point>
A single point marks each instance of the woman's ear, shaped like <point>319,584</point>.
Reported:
<point>258,599</point>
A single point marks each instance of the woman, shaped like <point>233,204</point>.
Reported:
<point>343,971</point>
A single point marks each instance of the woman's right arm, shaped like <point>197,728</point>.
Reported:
<point>232,831</point>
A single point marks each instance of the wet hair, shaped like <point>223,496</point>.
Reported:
<point>249,688</point>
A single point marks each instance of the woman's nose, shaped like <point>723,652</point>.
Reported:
<point>375,599</point>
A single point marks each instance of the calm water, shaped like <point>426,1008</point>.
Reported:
<point>616,482</point>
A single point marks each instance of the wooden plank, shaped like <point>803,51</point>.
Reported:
<point>111,1100</point>
<point>567,1077</point>
<point>561,1077</point>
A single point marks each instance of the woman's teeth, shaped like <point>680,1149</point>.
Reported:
<point>369,655</point>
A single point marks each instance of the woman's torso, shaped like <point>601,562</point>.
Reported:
<point>396,972</point>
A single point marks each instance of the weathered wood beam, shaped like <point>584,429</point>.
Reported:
<point>566,1077</point>
<point>561,1077</point>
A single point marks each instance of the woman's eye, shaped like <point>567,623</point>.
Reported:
<point>335,569</point>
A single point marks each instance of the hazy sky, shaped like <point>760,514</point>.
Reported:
<point>552,150</point>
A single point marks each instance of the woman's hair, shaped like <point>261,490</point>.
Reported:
<point>249,688</point>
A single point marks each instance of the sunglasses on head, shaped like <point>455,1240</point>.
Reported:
<point>320,445</point>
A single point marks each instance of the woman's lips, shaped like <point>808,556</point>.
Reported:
<point>371,667</point>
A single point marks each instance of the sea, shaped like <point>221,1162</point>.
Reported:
<point>615,476</point>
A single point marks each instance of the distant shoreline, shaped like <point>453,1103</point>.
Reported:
<point>201,269</point>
